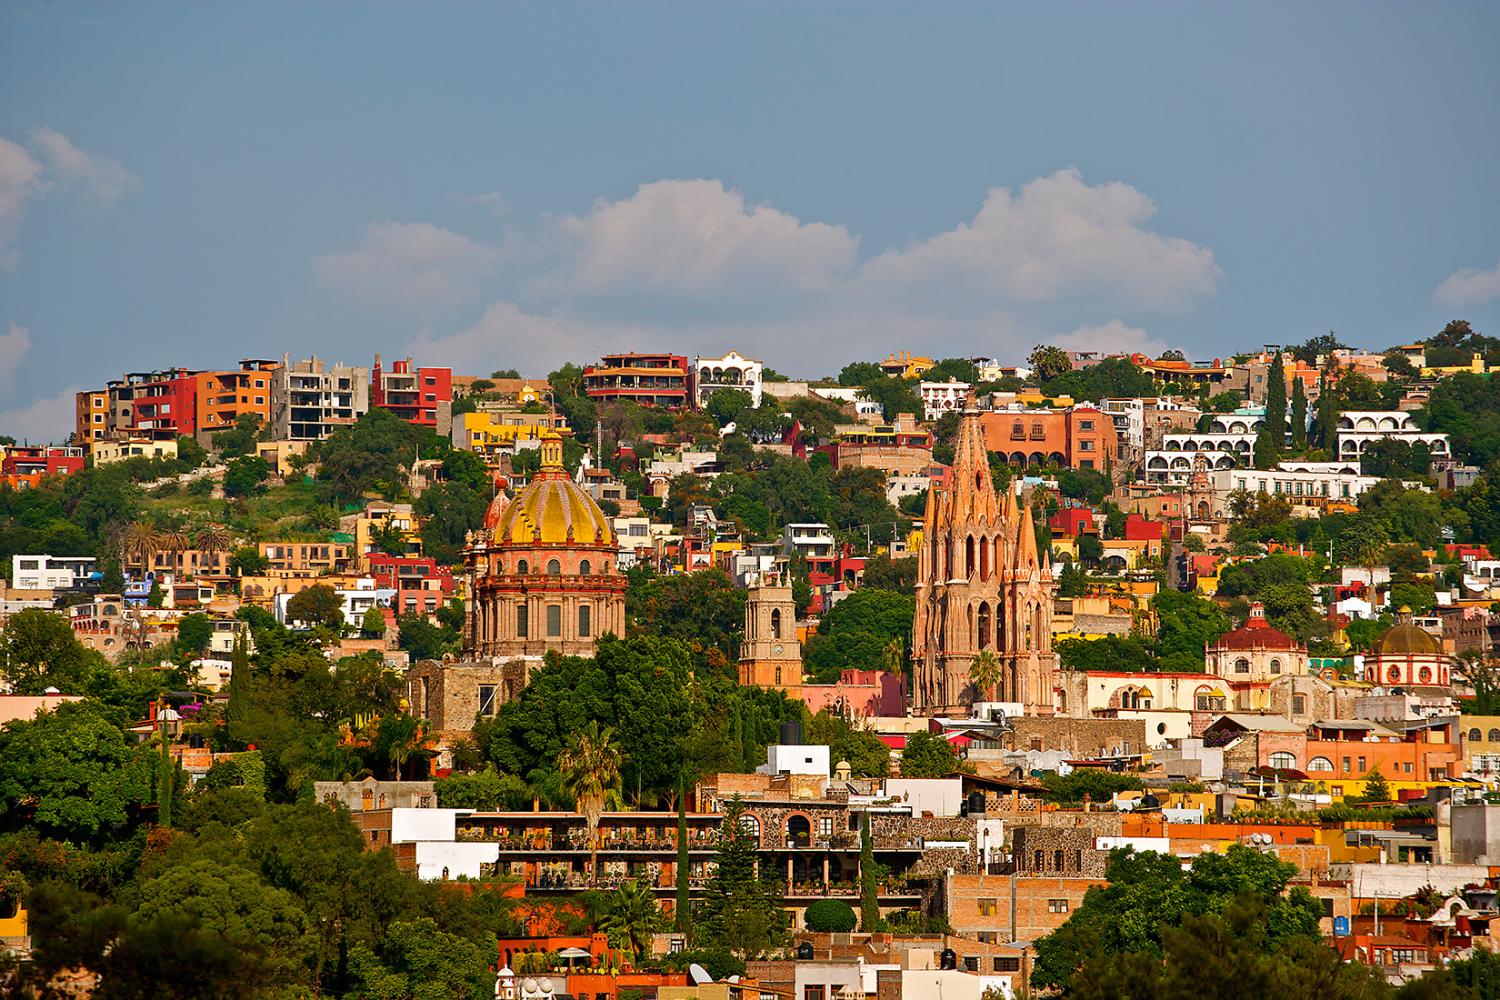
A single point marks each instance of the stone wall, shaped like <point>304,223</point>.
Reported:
<point>1040,850</point>
<point>1079,738</point>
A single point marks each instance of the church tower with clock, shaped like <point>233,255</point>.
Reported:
<point>770,655</point>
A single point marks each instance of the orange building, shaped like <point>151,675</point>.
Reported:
<point>91,416</point>
<point>1079,438</point>
<point>223,396</point>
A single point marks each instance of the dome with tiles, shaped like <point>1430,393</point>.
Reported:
<point>553,510</point>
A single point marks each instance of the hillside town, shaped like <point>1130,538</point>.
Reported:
<point>671,676</point>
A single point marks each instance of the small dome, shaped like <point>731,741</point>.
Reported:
<point>1406,639</point>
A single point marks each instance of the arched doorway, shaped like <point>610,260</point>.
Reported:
<point>799,832</point>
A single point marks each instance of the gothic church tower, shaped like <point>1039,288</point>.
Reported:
<point>980,586</point>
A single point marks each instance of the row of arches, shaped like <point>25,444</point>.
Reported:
<point>553,567</point>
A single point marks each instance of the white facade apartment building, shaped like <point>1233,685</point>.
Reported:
<point>732,371</point>
<point>44,572</point>
<point>1302,489</point>
<point>1358,429</point>
<point>939,398</point>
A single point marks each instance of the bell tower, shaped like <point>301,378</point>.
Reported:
<point>770,655</point>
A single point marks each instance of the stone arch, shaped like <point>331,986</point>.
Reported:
<point>775,623</point>
<point>970,563</point>
<point>985,622</point>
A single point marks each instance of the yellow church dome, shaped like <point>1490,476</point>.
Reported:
<point>1407,639</point>
<point>553,509</point>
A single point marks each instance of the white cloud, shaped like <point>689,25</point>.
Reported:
<point>20,183</point>
<point>44,421</point>
<point>492,202</point>
<point>100,177</point>
<point>409,263</point>
<point>695,237</point>
<point>1058,238</point>
<point>14,346</point>
<point>507,336</point>
<point>1469,287</point>
<point>1114,337</point>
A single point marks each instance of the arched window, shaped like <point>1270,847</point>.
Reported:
<point>969,557</point>
<point>1275,666</point>
<point>1494,736</point>
<point>984,625</point>
<point>1475,736</point>
<point>1242,666</point>
<point>522,567</point>
<point>554,568</point>
<point>1320,764</point>
<point>750,824</point>
<point>776,623</point>
<point>1393,674</point>
<point>1283,760</point>
<point>585,568</point>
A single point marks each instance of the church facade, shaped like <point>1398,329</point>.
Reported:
<point>982,587</point>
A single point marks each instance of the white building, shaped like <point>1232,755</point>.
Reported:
<point>898,486</point>
<point>732,371</point>
<point>939,398</point>
<point>1358,430</point>
<point>43,572</point>
<point>1302,489</point>
<point>813,539</point>
<point>1246,421</point>
<point>1176,467</point>
<point>353,602</point>
<point>782,758</point>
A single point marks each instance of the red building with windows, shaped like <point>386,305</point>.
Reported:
<point>165,404</point>
<point>421,585</point>
<point>648,379</point>
<point>411,393</point>
<point>25,466</point>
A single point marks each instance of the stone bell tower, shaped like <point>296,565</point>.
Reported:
<point>770,655</point>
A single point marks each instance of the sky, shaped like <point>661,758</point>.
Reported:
<point>518,185</point>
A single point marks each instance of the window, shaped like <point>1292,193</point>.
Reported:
<point>1362,767</point>
<point>1320,764</point>
<point>1299,705</point>
<point>554,568</point>
<point>750,824</point>
<point>1494,736</point>
<point>522,620</point>
<point>1275,666</point>
<point>813,993</point>
<point>1346,764</point>
<point>487,704</point>
<point>988,906</point>
<point>522,567</point>
<point>1242,666</point>
<point>554,621</point>
<point>1474,735</point>
<point>1057,906</point>
<point>825,826</point>
<point>1085,445</point>
<point>1007,963</point>
<point>585,622</point>
<point>1283,760</point>
<point>1039,859</point>
<point>1085,425</point>
<point>776,623</point>
<point>585,568</point>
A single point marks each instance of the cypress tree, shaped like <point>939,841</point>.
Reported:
<point>682,917</point>
<point>869,903</point>
<point>239,668</point>
<point>1328,414</point>
<point>1299,415</point>
<point>165,771</point>
<point>1276,405</point>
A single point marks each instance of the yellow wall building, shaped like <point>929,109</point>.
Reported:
<point>106,451</point>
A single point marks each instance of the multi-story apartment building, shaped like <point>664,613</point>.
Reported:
<point>1082,437</point>
<point>420,584</point>
<point>906,365</point>
<point>732,371</point>
<point>107,450</point>
<point>649,379</point>
<point>491,433</point>
<point>44,572</point>
<point>90,417</point>
<point>939,398</point>
<point>157,404</point>
<point>306,558</point>
<point>896,448</point>
<point>311,399</point>
<point>208,565</point>
<point>413,393</point>
<point>225,396</point>
<point>1357,430</point>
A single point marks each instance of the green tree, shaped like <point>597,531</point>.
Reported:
<point>630,917</point>
<point>417,960</point>
<point>246,476</point>
<point>247,561</point>
<point>1047,363</point>
<point>1187,624</point>
<point>741,913</point>
<point>682,911</point>
<point>239,440</point>
<point>857,630</point>
<point>316,605</point>
<point>830,915</point>
<point>38,649</point>
<point>1376,788</point>
<point>1299,415</point>
<point>728,406</point>
<point>869,876</point>
<point>858,373</point>
<point>75,769</point>
<point>590,769</point>
<point>928,756</point>
<point>373,622</point>
<point>984,673</point>
<point>194,632</point>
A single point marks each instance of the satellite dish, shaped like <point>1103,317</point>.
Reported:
<point>700,974</point>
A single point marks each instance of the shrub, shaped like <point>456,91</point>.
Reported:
<point>830,915</point>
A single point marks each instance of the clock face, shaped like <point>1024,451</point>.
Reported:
<point>776,649</point>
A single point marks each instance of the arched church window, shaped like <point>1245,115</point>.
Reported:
<point>554,568</point>
<point>585,568</point>
<point>776,623</point>
<point>522,567</point>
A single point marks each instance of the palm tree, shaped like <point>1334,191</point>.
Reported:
<point>894,655</point>
<point>984,673</point>
<point>214,538</point>
<point>138,542</point>
<point>590,769</point>
<point>630,917</point>
<point>173,541</point>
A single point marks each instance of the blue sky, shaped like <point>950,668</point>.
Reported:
<point>514,185</point>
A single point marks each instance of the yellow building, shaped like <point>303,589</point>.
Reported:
<point>1476,366</point>
<point>906,365</point>
<point>489,433</point>
<point>105,451</point>
<point>380,516</point>
<point>91,416</point>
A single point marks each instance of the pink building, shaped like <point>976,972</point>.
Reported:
<point>859,694</point>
